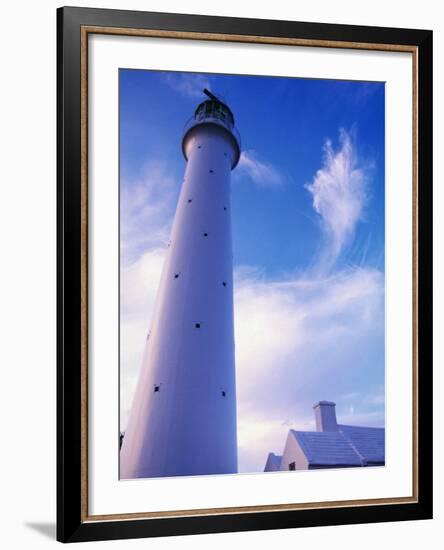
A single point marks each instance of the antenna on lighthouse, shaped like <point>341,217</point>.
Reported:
<point>211,95</point>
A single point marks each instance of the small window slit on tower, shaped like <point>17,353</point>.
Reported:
<point>211,171</point>
<point>196,325</point>
<point>190,200</point>
<point>224,393</point>
<point>224,283</point>
<point>176,275</point>
<point>205,234</point>
<point>199,146</point>
<point>156,388</point>
<point>225,208</point>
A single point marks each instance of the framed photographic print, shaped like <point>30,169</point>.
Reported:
<point>244,274</point>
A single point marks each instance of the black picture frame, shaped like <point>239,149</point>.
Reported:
<point>73,523</point>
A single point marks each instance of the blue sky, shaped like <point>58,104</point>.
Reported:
<point>308,240</point>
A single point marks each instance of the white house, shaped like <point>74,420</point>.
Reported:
<point>332,445</point>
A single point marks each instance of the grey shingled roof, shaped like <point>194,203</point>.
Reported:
<point>350,446</point>
<point>273,461</point>
<point>369,442</point>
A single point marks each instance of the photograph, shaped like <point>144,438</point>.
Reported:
<point>251,275</point>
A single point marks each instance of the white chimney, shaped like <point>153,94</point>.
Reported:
<point>325,414</point>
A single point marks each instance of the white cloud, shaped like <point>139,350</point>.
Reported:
<point>146,212</point>
<point>299,341</point>
<point>260,172</point>
<point>339,196</point>
<point>139,284</point>
<point>188,84</point>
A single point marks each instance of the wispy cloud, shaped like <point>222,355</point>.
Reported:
<point>339,196</point>
<point>259,171</point>
<point>146,212</point>
<point>301,340</point>
<point>188,84</point>
<point>139,284</point>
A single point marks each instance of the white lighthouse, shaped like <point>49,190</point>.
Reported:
<point>183,416</point>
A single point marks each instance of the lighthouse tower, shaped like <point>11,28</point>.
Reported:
<point>183,416</point>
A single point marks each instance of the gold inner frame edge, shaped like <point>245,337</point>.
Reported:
<point>84,33</point>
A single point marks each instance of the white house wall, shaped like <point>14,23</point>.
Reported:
<point>293,453</point>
